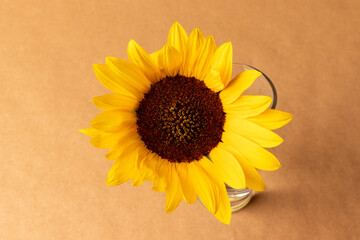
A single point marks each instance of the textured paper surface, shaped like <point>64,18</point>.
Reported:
<point>52,181</point>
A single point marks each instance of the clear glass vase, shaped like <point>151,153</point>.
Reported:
<point>239,198</point>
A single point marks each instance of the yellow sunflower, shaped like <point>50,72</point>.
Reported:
<point>176,119</point>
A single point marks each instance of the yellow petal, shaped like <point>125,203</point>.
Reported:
<point>115,101</point>
<point>161,171</point>
<point>187,188</point>
<point>173,191</point>
<point>127,143</point>
<point>101,139</point>
<point>155,58</point>
<point>196,39</point>
<point>91,132</point>
<point>143,153</point>
<point>204,59</point>
<point>252,131</point>
<point>136,179</point>
<point>104,140</point>
<point>169,60</point>
<point>147,165</point>
<point>248,106</point>
<point>122,170</point>
<point>213,81</point>
<point>129,74</point>
<point>252,177</point>
<point>147,173</point>
<point>256,155</point>
<point>178,39</point>
<point>113,120</point>
<point>159,184</point>
<point>272,119</point>
<point>143,60</point>
<point>223,214</point>
<point>162,167</point>
<point>204,186</point>
<point>238,85</point>
<point>222,62</point>
<point>140,174</point>
<point>150,160</point>
<point>127,137</point>
<point>228,167</point>
<point>114,83</point>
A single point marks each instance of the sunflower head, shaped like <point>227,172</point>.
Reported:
<point>176,119</point>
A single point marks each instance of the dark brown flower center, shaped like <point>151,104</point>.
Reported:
<point>180,119</point>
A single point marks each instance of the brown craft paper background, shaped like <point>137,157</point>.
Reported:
<point>52,181</point>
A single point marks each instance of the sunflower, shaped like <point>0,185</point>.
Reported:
<point>176,119</point>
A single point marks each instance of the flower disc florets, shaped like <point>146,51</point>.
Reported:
<point>180,119</point>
